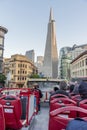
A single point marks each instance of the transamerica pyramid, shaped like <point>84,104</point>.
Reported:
<point>50,65</point>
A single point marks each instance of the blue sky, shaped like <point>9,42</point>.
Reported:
<point>27,20</point>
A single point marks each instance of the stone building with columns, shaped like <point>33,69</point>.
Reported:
<point>79,67</point>
<point>17,69</point>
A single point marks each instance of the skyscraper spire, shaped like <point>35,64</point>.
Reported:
<point>50,66</point>
<point>51,15</point>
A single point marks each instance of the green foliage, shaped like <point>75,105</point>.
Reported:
<point>34,76</point>
<point>2,78</point>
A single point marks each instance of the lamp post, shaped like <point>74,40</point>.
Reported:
<point>3,31</point>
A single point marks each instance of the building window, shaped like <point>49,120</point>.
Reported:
<point>12,71</point>
<point>22,78</point>
<point>0,66</point>
<point>1,41</point>
<point>86,72</point>
<point>12,65</point>
<point>86,61</point>
<point>83,63</point>
<point>25,66</point>
<point>1,53</point>
<point>18,65</point>
<point>82,72</point>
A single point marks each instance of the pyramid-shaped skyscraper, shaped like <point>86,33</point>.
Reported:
<point>50,65</point>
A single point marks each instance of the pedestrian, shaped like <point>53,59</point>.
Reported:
<point>83,90</point>
<point>62,90</point>
<point>54,90</point>
<point>38,95</point>
<point>77,124</point>
<point>71,88</point>
<point>76,88</point>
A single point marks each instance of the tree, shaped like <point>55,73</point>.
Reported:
<point>34,76</point>
<point>2,79</point>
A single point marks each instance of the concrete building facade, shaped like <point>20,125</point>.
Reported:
<point>79,67</point>
<point>3,31</point>
<point>19,68</point>
<point>50,65</point>
<point>39,64</point>
<point>77,50</point>
<point>31,55</point>
<point>66,55</point>
<point>64,63</point>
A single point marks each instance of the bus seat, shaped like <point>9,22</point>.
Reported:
<point>76,98</point>
<point>2,119</point>
<point>58,96</point>
<point>59,118</point>
<point>82,104</point>
<point>12,111</point>
<point>61,102</point>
